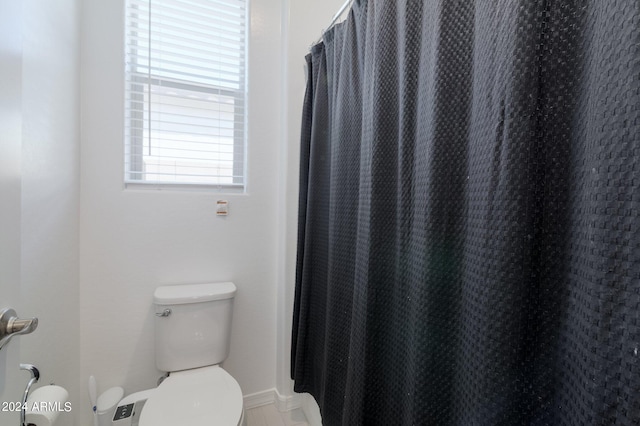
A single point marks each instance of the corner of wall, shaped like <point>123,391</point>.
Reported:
<point>282,381</point>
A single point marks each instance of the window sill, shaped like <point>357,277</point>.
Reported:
<point>185,187</point>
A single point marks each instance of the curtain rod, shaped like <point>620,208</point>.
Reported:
<point>335,18</point>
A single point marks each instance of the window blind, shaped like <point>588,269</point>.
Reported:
<point>185,92</point>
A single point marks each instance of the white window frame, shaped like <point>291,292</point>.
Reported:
<point>135,83</point>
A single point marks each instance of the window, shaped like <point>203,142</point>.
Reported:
<point>185,94</point>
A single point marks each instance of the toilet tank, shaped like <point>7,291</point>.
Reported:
<point>192,325</point>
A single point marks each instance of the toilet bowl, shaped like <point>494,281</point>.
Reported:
<point>202,396</point>
<point>193,328</point>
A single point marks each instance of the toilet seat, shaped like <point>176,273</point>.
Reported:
<point>207,396</point>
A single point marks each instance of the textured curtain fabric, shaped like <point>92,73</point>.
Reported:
<point>469,223</point>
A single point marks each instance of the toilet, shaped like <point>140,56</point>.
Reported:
<point>192,336</point>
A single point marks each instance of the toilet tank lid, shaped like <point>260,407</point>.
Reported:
<point>193,293</point>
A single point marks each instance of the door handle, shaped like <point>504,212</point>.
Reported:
<point>11,325</point>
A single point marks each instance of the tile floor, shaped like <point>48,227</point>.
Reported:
<point>268,415</point>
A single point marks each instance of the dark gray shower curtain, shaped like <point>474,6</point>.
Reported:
<point>469,224</point>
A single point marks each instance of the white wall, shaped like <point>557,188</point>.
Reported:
<point>134,240</point>
<point>10,186</point>
<point>49,196</point>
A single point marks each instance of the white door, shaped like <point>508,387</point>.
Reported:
<point>12,380</point>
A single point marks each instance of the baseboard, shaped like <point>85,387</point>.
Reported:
<point>288,402</point>
<point>283,403</point>
<point>259,399</point>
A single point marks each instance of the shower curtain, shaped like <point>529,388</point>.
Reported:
<point>469,216</point>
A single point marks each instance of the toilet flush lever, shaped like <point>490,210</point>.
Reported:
<point>164,313</point>
<point>11,325</point>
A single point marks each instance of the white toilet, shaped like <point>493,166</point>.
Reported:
<point>193,330</point>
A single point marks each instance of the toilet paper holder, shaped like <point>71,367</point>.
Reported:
<point>35,376</point>
<point>11,325</point>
